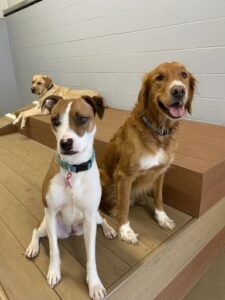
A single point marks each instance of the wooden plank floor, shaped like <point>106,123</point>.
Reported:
<point>23,164</point>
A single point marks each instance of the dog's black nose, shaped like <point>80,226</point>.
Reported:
<point>178,92</point>
<point>32,90</point>
<point>66,145</point>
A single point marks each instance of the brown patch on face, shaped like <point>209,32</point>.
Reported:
<point>57,111</point>
<point>81,117</point>
<point>156,86</point>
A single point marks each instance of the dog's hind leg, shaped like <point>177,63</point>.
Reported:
<point>108,231</point>
<point>33,248</point>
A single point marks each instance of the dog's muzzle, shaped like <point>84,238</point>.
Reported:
<point>177,93</point>
<point>67,146</point>
<point>33,90</point>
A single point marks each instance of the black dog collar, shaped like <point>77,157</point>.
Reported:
<point>51,86</point>
<point>159,131</point>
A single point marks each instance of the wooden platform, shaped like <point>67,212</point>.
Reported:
<point>127,271</point>
<point>196,180</point>
<point>23,164</point>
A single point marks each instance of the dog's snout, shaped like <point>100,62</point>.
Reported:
<point>32,90</point>
<point>66,145</point>
<point>178,92</point>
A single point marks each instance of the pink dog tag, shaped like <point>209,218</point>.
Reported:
<point>68,178</point>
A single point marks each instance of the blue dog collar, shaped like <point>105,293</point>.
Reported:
<point>77,168</point>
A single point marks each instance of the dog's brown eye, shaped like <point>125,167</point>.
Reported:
<point>55,122</point>
<point>184,74</point>
<point>81,120</point>
<point>160,77</point>
<point>39,83</point>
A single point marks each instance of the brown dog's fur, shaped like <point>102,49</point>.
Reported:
<point>123,179</point>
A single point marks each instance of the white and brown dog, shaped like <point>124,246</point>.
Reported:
<point>43,86</point>
<point>71,190</point>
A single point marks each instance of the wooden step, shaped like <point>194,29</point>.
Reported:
<point>195,181</point>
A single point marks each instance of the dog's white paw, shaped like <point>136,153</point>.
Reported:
<point>127,234</point>
<point>33,248</point>
<point>53,276</point>
<point>97,291</point>
<point>108,231</point>
<point>163,220</point>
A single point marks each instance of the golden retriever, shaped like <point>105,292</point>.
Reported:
<point>137,157</point>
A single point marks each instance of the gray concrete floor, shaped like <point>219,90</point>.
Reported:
<point>212,284</point>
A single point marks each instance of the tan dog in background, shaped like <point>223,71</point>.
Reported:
<point>43,86</point>
<point>138,156</point>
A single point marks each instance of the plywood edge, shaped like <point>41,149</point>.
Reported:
<point>8,129</point>
<point>191,274</point>
<point>152,275</point>
<point>182,190</point>
<point>41,132</point>
<point>213,187</point>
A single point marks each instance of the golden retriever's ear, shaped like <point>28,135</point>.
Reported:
<point>192,85</point>
<point>144,92</point>
<point>48,81</point>
<point>97,103</point>
<point>49,102</point>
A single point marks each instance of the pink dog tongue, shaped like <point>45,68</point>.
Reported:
<point>176,111</point>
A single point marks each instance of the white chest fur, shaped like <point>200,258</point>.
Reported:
<point>150,161</point>
<point>85,193</point>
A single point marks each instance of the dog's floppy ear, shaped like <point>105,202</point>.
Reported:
<point>192,85</point>
<point>49,102</point>
<point>97,103</point>
<point>48,81</point>
<point>144,92</point>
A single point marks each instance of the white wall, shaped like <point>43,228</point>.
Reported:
<point>8,90</point>
<point>13,2</point>
<point>109,45</point>
<point>3,5</point>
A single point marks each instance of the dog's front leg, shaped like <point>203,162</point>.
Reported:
<point>96,289</point>
<point>54,274</point>
<point>160,214</point>
<point>19,117</point>
<point>28,113</point>
<point>123,184</point>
